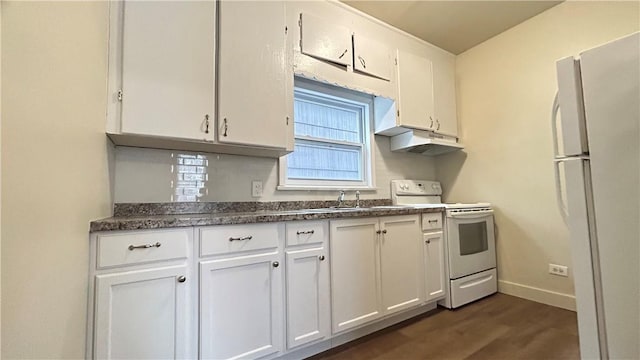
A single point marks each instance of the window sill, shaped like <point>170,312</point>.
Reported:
<point>326,188</point>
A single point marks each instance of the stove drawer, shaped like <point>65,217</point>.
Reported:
<point>473,287</point>
<point>431,221</point>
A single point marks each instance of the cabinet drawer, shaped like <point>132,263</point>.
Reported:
<point>121,249</point>
<point>431,221</point>
<point>226,239</point>
<point>306,232</point>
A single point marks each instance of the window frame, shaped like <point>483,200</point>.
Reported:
<point>330,95</point>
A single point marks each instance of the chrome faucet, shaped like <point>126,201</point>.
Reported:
<point>341,199</point>
<point>357,198</point>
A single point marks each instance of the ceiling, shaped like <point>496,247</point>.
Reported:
<point>452,25</point>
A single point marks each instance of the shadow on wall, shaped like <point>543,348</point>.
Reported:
<point>448,167</point>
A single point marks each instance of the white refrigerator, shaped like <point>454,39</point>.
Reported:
<point>597,163</point>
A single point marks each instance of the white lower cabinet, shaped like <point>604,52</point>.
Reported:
<point>307,268</point>
<point>355,273</point>
<point>241,295</point>
<point>141,295</point>
<point>142,314</point>
<point>241,307</point>
<point>401,263</point>
<point>434,265</point>
<point>147,303</point>
<point>376,268</point>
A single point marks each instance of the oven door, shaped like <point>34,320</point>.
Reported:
<point>471,242</point>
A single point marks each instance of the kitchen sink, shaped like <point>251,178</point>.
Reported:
<point>319,210</point>
<point>391,207</point>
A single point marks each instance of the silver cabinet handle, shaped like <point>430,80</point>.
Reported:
<point>145,246</point>
<point>321,257</point>
<point>428,241</point>
<point>384,231</point>
<point>305,232</point>
<point>381,231</point>
<point>226,127</point>
<point>432,221</point>
<point>206,123</point>
<point>438,122</point>
<point>182,278</point>
<point>431,125</point>
<point>241,238</point>
<point>276,264</point>
<point>364,65</point>
<point>343,53</point>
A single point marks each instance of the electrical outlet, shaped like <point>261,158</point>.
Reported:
<point>559,270</point>
<point>256,188</point>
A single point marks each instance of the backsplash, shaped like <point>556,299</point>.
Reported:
<point>149,175</point>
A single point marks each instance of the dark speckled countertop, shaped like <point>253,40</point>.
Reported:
<point>171,215</point>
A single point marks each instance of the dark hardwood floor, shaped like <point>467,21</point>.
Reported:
<point>497,327</point>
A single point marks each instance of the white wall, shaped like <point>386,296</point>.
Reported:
<point>505,90</point>
<point>54,171</point>
<point>146,175</point>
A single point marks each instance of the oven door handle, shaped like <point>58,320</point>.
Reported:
<point>470,214</point>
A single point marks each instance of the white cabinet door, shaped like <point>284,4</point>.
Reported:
<point>415,91</point>
<point>325,40</point>
<point>444,97</point>
<point>355,279</point>
<point>308,314</point>
<point>434,265</point>
<point>241,307</point>
<point>253,79</point>
<point>168,52</point>
<point>401,262</point>
<point>372,57</point>
<point>142,314</point>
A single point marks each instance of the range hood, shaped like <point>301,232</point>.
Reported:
<point>424,142</point>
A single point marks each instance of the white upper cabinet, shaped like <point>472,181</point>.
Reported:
<point>426,96</point>
<point>168,51</point>
<point>325,40</point>
<point>255,83</point>
<point>444,97</point>
<point>415,91</point>
<point>372,57</point>
<point>182,76</point>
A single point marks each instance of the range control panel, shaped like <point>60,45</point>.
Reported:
<point>416,187</point>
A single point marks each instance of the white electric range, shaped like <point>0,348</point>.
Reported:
<point>470,254</point>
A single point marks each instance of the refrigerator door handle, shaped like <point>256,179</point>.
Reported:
<point>557,158</point>
<point>564,211</point>
<point>554,125</point>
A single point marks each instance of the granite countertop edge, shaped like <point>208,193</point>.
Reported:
<point>186,220</point>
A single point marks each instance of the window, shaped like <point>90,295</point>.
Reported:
<point>332,139</point>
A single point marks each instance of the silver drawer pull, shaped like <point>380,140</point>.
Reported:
<point>145,246</point>
<point>241,238</point>
<point>432,221</point>
<point>305,232</point>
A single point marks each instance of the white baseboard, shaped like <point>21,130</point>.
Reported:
<point>548,297</point>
